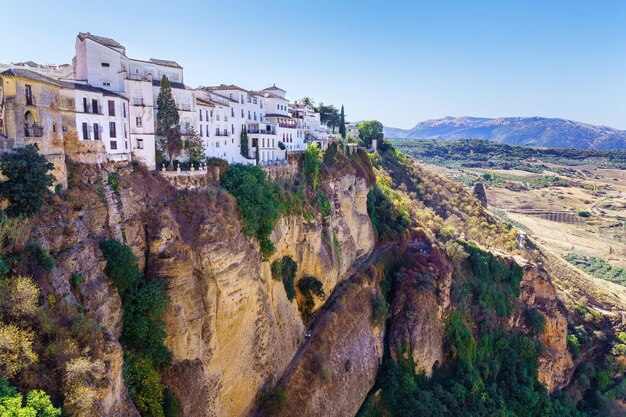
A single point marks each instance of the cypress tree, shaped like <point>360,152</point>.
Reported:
<point>167,128</point>
<point>342,123</point>
<point>245,150</point>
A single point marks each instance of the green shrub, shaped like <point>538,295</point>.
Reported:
<point>121,264</point>
<point>573,345</point>
<point>144,385</point>
<point>37,404</point>
<point>285,270</point>
<point>114,182</point>
<point>309,287</point>
<point>584,213</point>
<point>311,165</point>
<point>388,220</point>
<point>171,405</point>
<point>41,256</point>
<point>28,180</point>
<point>324,203</point>
<point>259,200</point>
<point>535,321</point>
<point>76,280</point>
<point>381,310</point>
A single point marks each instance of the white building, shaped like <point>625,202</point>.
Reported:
<point>99,115</point>
<point>102,62</point>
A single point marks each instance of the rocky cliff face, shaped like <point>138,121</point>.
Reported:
<point>232,331</point>
<point>230,327</point>
<point>555,362</point>
<point>334,370</point>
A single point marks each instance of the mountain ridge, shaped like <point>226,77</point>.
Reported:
<point>526,131</point>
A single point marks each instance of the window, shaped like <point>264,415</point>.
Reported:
<point>106,83</point>
<point>54,127</point>
<point>124,109</point>
<point>85,105</point>
<point>211,114</point>
<point>29,95</point>
<point>242,99</point>
<point>217,144</point>
<point>125,132</point>
<point>85,131</point>
<point>255,101</point>
<point>249,115</point>
<point>200,130</point>
<point>139,143</point>
<point>206,114</point>
<point>94,106</point>
<point>112,130</point>
<point>106,64</point>
<point>232,128</point>
<point>200,114</point>
<point>113,145</point>
<point>138,121</point>
<point>96,131</point>
<point>111,108</point>
<point>232,112</point>
<point>125,144</point>
<point>242,113</point>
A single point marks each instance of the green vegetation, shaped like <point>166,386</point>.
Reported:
<point>243,144</point>
<point>41,256</point>
<point>598,268</point>
<point>369,131</point>
<point>437,204</point>
<point>37,403</point>
<point>584,213</point>
<point>285,270</point>
<point>535,321</point>
<point>194,146</point>
<point>479,153</point>
<point>144,302</point>
<point>309,287</point>
<point>28,180</point>
<point>387,211</point>
<point>342,123</point>
<point>381,309</point>
<point>489,370</point>
<point>114,182</point>
<point>311,165</point>
<point>259,200</point>
<point>169,139</point>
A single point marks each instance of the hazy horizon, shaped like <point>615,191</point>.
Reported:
<point>400,63</point>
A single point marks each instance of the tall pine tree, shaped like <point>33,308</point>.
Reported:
<point>342,123</point>
<point>169,139</point>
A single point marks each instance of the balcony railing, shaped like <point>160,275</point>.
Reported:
<point>262,131</point>
<point>287,125</point>
<point>223,133</point>
<point>33,131</point>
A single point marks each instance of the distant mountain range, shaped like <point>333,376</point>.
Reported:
<point>528,131</point>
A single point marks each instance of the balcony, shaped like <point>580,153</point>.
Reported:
<point>223,133</point>
<point>287,125</point>
<point>33,131</point>
<point>138,101</point>
<point>30,100</point>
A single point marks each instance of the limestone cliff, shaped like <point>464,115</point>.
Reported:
<point>230,327</point>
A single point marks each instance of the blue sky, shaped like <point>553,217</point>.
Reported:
<point>397,61</point>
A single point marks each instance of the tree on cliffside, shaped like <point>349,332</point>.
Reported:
<point>28,180</point>
<point>342,123</point>
<point>371,130</point>
<point>169,138</point>
<point>194,146</point>
<point>243,138</point>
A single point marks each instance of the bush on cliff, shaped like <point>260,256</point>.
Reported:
<point>28,180</point>
<point>285,270</point>
<point>144,302</point>
<point>310,286</point>
<point>259,200</point>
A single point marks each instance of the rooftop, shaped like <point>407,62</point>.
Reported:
<point>165,63</point>
<point>112,43</point>
<point>180,86</point>
<point>274,88</point>
<point>87,87</point>
<point>31,75</point>
<point>222,87</point>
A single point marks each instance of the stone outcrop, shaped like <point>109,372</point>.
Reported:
<point>480,194</point>
<point>334,370</point>
<point>555,362</point>
<point>419,307</point>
